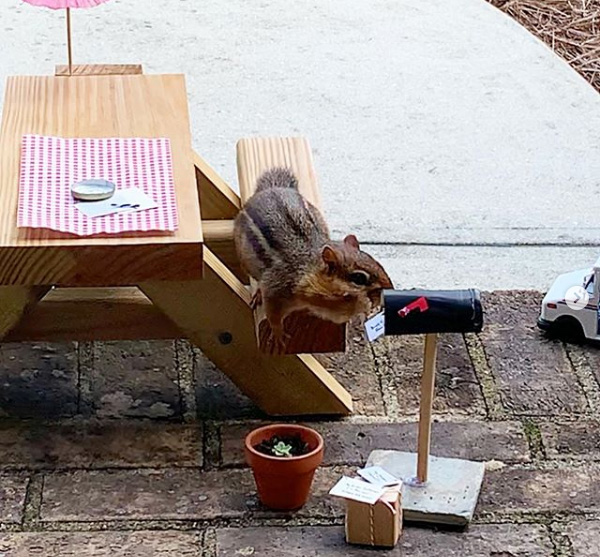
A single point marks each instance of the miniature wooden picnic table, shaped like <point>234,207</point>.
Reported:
<point>59,287</point>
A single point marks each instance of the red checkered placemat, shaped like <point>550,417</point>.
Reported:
<point>50,165</point>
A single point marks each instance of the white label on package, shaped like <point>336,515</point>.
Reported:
<point>375,327</point>
<point>357,490</point>
<point>378,476</point>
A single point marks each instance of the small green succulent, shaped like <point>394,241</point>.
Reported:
<point>282,449</point>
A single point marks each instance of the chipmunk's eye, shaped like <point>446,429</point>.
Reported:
<point>360,278</point>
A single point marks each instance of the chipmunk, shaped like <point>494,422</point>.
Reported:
<point>283,242</point>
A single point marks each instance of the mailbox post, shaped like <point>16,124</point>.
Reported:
<point>444,490</point>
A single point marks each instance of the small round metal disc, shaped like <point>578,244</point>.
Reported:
<point>93,190</point>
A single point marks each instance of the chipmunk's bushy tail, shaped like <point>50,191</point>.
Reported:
<point>277,178</point>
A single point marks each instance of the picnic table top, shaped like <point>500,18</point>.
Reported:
<point>96,106</point>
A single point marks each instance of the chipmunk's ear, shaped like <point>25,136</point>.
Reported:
<point>330,257</point>
<point>351,241</point>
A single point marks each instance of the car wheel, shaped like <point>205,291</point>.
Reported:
<point>568,329</point>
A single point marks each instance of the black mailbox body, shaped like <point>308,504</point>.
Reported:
<point>409,312</point>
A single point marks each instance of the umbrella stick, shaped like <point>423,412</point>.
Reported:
<point>427,392</point>
<point>69,41</point>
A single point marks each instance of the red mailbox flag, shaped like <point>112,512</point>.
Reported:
<point>66,5</point>
<point>419,304</point>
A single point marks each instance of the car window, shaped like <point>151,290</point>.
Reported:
<point>589,284</point>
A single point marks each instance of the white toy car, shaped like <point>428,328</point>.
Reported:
<point>570,308</point>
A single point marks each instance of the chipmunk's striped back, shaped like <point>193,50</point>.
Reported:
<point>278,230</point>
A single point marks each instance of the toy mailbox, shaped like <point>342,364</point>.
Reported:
<point>448,492</point>
<point>409,312</point>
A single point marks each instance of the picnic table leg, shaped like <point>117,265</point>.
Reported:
<point>214,313</point>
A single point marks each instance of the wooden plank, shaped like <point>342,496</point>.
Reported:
<point>86,314</point>
<point>217,199</point>
<point>100,266</point>
<point>130,106</point>
<point>85,70</point>
<point>214,313</point>
<point>219,205</point>
<point>15,302</point>
<point>218,237</point>
<point>257,154</point>
<point>306,333</point>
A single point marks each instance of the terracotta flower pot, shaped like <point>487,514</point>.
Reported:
<point>284,483</point>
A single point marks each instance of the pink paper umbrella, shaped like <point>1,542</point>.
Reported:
<point>66,5</point>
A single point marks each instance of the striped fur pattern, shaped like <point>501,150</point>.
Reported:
<point>278,229</point>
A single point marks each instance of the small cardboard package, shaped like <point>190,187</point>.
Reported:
<point>373,508</point>
<point>377,524</point>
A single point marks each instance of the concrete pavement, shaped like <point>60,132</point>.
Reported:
<point>444,133</point>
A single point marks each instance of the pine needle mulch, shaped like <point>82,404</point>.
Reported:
<point>570,28</point>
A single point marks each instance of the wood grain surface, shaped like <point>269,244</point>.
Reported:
<point>79,70</point>
<point>86,314</point>
<point>96,106</point>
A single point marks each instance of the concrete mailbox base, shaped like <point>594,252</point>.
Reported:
<point>450,494</point>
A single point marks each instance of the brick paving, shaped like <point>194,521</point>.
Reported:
<point>134,449</point>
